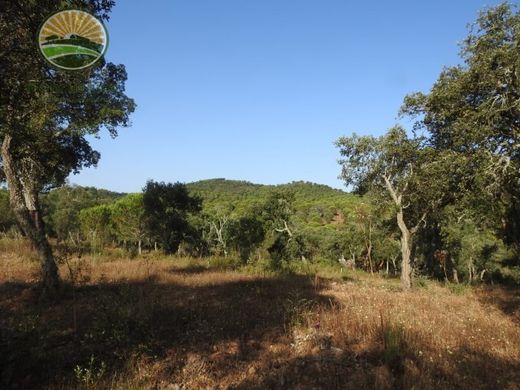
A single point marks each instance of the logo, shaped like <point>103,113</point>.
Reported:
<point>72,39</point>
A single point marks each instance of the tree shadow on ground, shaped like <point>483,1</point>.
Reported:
<point>507,299</point>
<point>109,323</point>
<point>200,333</point>
<point>190,270</point>
<point>379,368</point>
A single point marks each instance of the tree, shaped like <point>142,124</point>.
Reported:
<point>62,205</point>
<point>127,215</point>
<point>96,224</point>
<point>278,210</point>
<point>276,213</point>
<point>365,220</point>
<point>470,243</point>
<point>7,219</point>
<point>247,233</point>
<point>166,209</point>
<point>218,221</point>
<point>472,111</point>
<point>402,168</point>
<point>342,241</point>
<point>46,114</point>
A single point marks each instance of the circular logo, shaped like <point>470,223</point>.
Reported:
<point>72,39</point>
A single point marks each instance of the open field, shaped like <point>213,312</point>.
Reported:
<point>167,323</point>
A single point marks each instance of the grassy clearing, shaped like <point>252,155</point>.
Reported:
<point>169,323</point>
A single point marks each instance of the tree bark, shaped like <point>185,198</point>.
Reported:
<point>406,244</point>
<point>406,236</point>
<point>369,247</point>
<point>455,276</point>
<point>24,202</point>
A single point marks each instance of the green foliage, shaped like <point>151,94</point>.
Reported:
<point>127,218</point>
<point>166,210</point>
<point>7,218</point>
<point>471,116</point>
<point>64,107</point>
<point>47,116</point>
<point>457,176</point>
<point>96,225</point>
<point>224,263</point>
<point>63,205</point>
<point>472,246</point>
<point>247,233</point>
<point>312,203</point>
<point>458,288</point>
<point>395,346</point>
<point>91,373</point>
<point>256,221</point>
<point>395,168</point>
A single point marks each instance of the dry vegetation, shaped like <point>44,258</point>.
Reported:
<point>183,324</point>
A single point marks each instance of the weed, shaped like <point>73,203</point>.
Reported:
<point>458,288</point>
<point>89,375</point>
<point>224,263</point>
<point>395,347</point>
<point>297,310</point>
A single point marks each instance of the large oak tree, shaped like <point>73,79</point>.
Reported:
<point>473,111</point>
<point>401,170</point>
<point>47,114</point>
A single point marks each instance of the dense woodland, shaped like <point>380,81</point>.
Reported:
<point>271,225</point>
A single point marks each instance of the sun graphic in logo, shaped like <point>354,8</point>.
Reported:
<point>72,39</point>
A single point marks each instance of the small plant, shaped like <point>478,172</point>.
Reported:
<point>421,281</point>
<point>297,310</point>
<point>458,288</point>
<point>224,263</point>
<point>91,374</point>
<point>395,345</point>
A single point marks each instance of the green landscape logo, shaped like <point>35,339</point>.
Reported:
<point>72,39</point>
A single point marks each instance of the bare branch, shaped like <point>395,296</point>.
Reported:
<point>422,220</point>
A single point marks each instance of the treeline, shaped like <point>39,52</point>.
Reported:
<point>274,224</point>
<point>220,217</point>
<point>295,222</point>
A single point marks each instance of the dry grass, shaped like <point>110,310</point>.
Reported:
<point>179,324</point>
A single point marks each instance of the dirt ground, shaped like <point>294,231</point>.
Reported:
<point>179,324</point>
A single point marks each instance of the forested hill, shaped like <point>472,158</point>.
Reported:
<point>313,203</point>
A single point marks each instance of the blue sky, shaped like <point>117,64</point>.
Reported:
<point>258,90</point>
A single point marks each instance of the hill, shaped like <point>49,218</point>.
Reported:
<point>314,203</point>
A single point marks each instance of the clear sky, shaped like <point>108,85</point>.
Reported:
<point>258,90</point>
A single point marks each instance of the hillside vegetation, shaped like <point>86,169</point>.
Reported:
<point>316,204</point>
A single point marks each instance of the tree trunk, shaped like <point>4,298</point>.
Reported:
<point>406,245</point>
<point>24,202</point>
<point>32,225</point>
<point>406,236</point>
<point>369,255</point>
<point>139,249</point>
<point>455,276</point>
<point>369,246</point>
